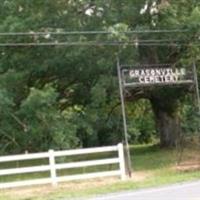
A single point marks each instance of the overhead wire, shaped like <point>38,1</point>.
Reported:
<point>94,43</point>
<point>90,32</point>
<point>132,42</point>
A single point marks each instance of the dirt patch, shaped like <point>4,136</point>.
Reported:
<point>188,166</point>
<point>44,190</point>
<point>29,192</point>
<point>140,176</point>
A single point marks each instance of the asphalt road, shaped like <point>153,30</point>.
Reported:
<point>184,191</point>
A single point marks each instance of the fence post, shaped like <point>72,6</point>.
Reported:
<point>121,161</point>
<point>52,168</point>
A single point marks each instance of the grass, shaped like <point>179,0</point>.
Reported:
<point>152,167</point>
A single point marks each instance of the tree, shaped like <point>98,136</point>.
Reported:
<point>165,103</point>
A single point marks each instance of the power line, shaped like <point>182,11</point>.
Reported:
<point>32,33</point>
<point>94,43</point>
<point>136,42</point>
<point>108,41</point>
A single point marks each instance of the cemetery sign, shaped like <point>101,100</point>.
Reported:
<point>156,76</point>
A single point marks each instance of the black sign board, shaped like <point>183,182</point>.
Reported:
<point>148,76</point>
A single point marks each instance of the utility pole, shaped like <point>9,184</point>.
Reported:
<point>196,87</point>
<point>127,150</point>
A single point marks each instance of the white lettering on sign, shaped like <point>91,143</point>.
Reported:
<point>158,75</point>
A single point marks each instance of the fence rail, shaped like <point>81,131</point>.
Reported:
<point>52,167</point>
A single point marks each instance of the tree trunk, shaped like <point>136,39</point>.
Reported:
<point>167,123</point>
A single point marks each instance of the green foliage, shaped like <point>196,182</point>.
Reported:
<point>141,122</point>
<point>190,120</point>
<point>46,126</point>
<point>38,124</point>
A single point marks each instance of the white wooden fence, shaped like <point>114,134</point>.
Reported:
<point>52,167</point>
